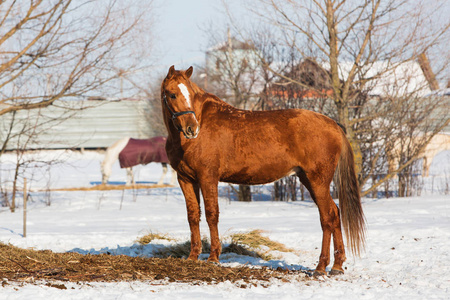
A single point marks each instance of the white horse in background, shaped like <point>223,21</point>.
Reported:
<point>439,142</point>
<point>132,152</point>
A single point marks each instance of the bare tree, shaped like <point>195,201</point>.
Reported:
<point>233,70</point>
<point>364,47</point>
<point>64,49</point>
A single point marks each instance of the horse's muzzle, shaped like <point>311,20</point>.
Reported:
<point>188,125</point>
<point>191,132</point>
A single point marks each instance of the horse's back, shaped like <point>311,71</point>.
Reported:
<point>143,151</point>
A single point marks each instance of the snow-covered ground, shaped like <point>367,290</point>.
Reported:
<point>407,254</point>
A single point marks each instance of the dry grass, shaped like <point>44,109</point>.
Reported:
<point>182,250</point>
<point>29,265</point>
<point>254,240</point>
<point>251,243</point>
<point>18,264</point>
<point>148,238</point>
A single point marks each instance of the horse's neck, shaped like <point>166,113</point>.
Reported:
<point>112,153</point>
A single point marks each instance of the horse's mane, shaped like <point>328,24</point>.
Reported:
<point>211,97</point>
<point>207,96</point>
<point>196,88</point>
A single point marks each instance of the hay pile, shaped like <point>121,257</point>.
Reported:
<point>29,265</point>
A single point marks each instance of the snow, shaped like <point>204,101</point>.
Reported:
<point>407,253</point>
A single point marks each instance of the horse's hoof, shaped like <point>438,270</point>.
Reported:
<point>335,272</point>
<point>318,274</point>
<point>213,260</point>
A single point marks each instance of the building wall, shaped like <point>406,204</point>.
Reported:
<point>77,124</point>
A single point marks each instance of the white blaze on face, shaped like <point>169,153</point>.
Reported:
<point>185,93</point>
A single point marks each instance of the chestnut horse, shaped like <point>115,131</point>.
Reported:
<point>211,141</point>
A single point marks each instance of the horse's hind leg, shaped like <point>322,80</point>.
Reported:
<point>192,196</point>
<point>130,176</point>
<point>331,226</point>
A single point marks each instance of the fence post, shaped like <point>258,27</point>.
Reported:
<point>25,194</point>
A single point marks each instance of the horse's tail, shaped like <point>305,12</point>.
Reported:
<point>352,216</point>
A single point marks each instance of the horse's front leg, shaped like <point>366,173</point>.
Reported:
<point>161,180</point>
<point>192,197</point>
<point>174,176</point>
<point>210,195</point>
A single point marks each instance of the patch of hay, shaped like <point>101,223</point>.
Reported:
<point>251,243</point>
<point>148,238</point>
<point>254,240</point>
<point>29,265</point>
<point>182,250</point>
<point>240,250</point>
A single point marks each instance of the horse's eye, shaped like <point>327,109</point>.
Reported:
<point>173,96</point>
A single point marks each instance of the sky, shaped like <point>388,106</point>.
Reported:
<point>180,30</point>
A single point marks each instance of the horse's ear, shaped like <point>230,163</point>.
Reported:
<point>189,72</point>
<point>171,71</point>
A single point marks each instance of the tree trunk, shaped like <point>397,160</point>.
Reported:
<point>13,201</point>
<point>343,119</point>
<point>375,191</point>
<point>276,191</point>
<point>293,187</point>
<point>245,193</point>
<point>302,191</point>
<point>401,185</point>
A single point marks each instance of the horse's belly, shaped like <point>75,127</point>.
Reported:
<point>251,176</point>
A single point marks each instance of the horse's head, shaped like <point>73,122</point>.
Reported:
<point>177,97</point>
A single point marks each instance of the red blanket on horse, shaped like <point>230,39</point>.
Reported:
<point>142,152</point>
